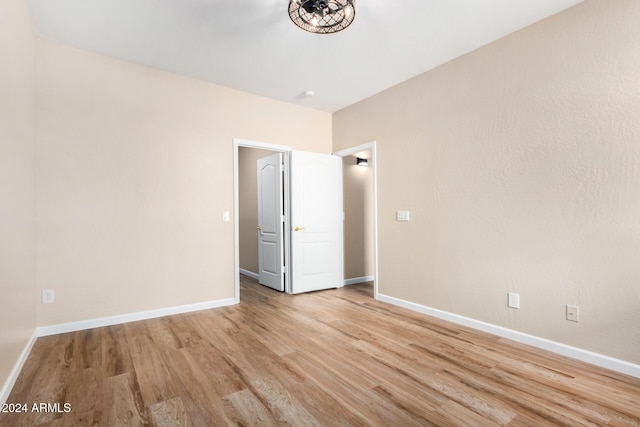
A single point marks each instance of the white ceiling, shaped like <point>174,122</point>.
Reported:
<point>253,46</point>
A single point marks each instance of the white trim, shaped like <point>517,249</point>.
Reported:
<point>374,166</point>
<point>251,274</point>
<point>237,143</point>
<point>597,359</point>
<point>353,150</point>
<point>62,328</point>
<point>236,228</point>
<point>13,375</point>
<point>356,280</point>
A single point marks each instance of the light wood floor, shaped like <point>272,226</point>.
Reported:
<point>327,358</point>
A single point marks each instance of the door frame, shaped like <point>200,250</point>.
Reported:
<point>372,164</point>
<point>237,143</point>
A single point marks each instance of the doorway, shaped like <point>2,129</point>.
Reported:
<point>361,215</point>
<point>247,239</point>
<point>270,149</point>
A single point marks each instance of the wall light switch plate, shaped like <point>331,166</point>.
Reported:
<point>514,300</point>
<point>225,216</point>
<point>573,313</point>
<point>402,216</point>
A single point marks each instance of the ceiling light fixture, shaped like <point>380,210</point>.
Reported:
<point>322,16</point>
<point>361,162</point>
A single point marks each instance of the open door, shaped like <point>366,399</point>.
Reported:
<point>271,222</point>
<point>316,221</point>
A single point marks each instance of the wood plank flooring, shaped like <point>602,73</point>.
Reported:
<point>331,358</point>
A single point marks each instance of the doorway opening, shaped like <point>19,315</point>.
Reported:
<point>361,215</point>
<point>248,239</point>
<point>258,149</point>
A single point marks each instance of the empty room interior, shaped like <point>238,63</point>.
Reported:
<point>455,222</point>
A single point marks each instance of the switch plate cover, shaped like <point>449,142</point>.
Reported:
<point>402,216</point>
<point>514,300</point>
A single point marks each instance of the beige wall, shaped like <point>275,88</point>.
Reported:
<point>358,221</point>
<point>17,182</point>
<point>135,167</point>
<point>248,206</point>
<point>520,164</point>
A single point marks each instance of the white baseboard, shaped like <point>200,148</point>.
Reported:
<point>13,375</point>
<point>597,359</point>
<point>356,280</point>
<point>44,331</point>
<point>251,274</point>
<point>351,281</point>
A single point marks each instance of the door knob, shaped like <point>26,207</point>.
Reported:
<point>298,228</point>
<point>259,228</point>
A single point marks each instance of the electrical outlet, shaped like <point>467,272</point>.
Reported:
<point>48,296</point>
<point>573,312</point>
<point>514,300</point>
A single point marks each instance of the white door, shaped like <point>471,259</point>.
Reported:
<point>270,221</point>
<point>316,221</point>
